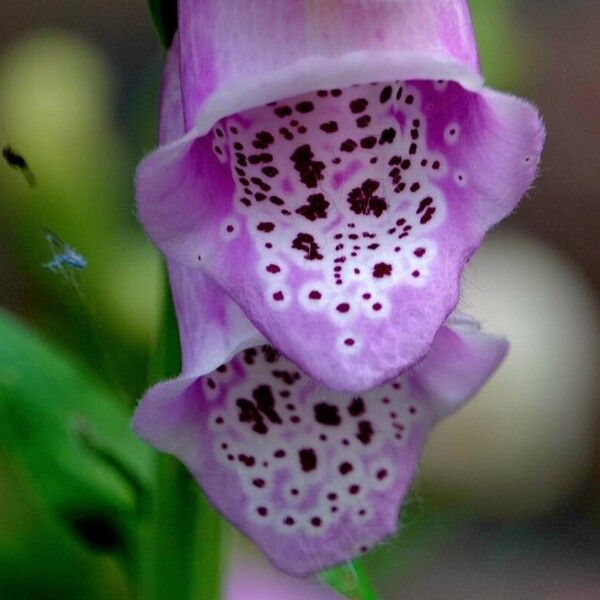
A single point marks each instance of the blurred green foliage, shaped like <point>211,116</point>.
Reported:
<point>72,439</point>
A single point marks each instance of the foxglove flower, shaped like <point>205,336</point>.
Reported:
<point>338,164</point>
<point>325,171</point>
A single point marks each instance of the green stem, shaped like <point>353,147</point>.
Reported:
<point>350,581</point>
<point>180,549</point>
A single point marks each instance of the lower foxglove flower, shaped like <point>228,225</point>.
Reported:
<point>337,212</point>
<point>311,475</point>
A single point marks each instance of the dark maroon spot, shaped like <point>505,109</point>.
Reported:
<point>348,145</point>
<point>305,106</point>
<point>262,408</point>
<point>294,492</point>
<point>373,246</point>
<point>314,295</point>
<point>273,269</point>
<point>377,307</point>
<point>363,121</point>
<point>327,414</point>
<point>302,129</point>
<point>329,127</point>
<point>270,171</point>
<point>229,228</point>
<point>349,342</point>
<point>332,496</point>
<point>428,215</point>
<point>315,209</point>
<point>381,270</point>
<point>382,474</point>
<point>363,200</point>
<point>415,187</point>
<point>279,454</point>
<point>308,459</point>
<point>412,410</point>
<point>424,204</point>
<point>419,252</point>
<point>316,521</point>
<point>386,94</point>
<point>289,521</point>
<point>354,489</point>
<point>357,407</point>
<point>219,420</point>
<point>367,296</point>
<point>345,468</point>
<point>288,377</point>
<point>410,99</point>
<point>295,419</point>
<point>265,187</point>
<point>283,111</point>
<point>306,243</point>
<point>248,461</point>
<point>322,93</point>
<point>368,142</point>
<point>344,307</point>
<point>387,136</point>
<point>365,432</point>
<point>311,171</point>
<point>336,92</point>
<point>259,483</point>
<point>286,133</point>
<point>250,355</point>
<point>276,200</point>
<point>358,105</point>
<point>435,165</point>
<point>211,384</point>
<point>262,511</point>
<point>265,227</point>
<point>263,140</point>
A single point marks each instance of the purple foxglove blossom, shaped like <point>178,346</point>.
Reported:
<point>332,225</point>
<point>333,167</point>
<point>313,476</point>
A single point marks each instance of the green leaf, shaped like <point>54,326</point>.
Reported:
<point>350,581</point>
<point>164,17</point>
<point>71,437</point>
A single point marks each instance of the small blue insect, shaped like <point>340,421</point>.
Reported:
<point>65,260</point>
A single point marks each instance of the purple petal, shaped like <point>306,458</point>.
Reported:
<point>212,328</point>
<point>341,220</point>
<point>313,476</point>
<point>238,55</point>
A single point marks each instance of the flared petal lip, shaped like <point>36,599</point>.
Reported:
<point>319,72</point>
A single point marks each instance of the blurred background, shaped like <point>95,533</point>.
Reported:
<point>506,503</point>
